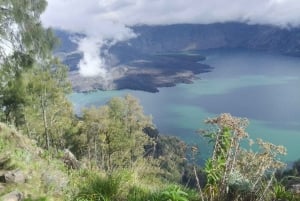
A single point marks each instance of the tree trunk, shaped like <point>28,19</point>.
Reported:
<point>27,127</point>
<point>46,129</point>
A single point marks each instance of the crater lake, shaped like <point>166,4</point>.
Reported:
<point>263,87</point>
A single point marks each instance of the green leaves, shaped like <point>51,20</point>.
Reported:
<point>214,170</point>
<point>24,60</point>
<point>99,189</point>
<point>280,192</point>
<point>234,173</point>
<point>28,71</point>
<point>114,133</point>
<point>174,193</point>
<point>48,112</point>
<point>21,26</point>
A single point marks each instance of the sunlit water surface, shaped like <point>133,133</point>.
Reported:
<point>263,87</point>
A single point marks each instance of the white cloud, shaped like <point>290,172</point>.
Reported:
<point>91,63</point>
<point>104,20</point>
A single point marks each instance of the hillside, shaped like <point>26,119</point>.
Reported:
<point>30,173</point>
<point>27,170</point>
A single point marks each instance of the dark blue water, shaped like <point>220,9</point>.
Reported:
<point>263,87</point>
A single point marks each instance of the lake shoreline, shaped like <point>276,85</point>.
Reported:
<point>262,87</point>
<point>145,74</point>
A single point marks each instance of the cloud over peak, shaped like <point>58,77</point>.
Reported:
<point>108,20</point>
<point>79,15</point>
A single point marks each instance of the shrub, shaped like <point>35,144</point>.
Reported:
<point>234,173</point>
<point>37,199</point>
<point>138,194</point>
<point>99,189</point>
<point>174,193</point>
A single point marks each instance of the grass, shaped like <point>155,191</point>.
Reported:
<point>19,152</point>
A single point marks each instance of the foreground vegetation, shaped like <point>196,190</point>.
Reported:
<point>156,173</point>
<point>113,152</point>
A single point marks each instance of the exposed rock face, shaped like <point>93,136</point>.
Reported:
<point>293,184</point>
<point>19,158</point>
<point>70,160</point>
<point>147,74</point>
<point>54,180</point>
<point>15,176</point>
<point>13,196</point>
<point>295,188</point>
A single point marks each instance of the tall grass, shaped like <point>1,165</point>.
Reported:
<point>99,188</point>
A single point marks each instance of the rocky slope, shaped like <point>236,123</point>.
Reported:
<point>26,171</point>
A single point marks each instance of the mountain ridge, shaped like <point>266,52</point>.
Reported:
<point>158,40</point>
<point>219,35</point>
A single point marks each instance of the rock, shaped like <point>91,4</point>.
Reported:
<point>295,188</point>
<point>292,183</point>
<point>13,196</point>
<point>70,160</point>
<point>54,180</point>
<point>4,161</point>
<point>15,176</point>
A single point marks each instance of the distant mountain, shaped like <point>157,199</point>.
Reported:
<point>182,37</point>
<point>159,40</point>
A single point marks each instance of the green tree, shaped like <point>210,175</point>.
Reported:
<point>33,84</point>
<point>20,28</point>
<point>23,42</point>
<point>95,129</point>
<point>114,133</point>
<point>48,113</point>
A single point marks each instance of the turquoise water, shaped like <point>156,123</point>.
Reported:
<point>263,87</point>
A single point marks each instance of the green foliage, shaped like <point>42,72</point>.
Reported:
<point>171,154</point>
<point>238,182</point>
<point>2,144</point>
<point>174,193</point>
<point>21,26</point>
<point>119,186</point>
<point>33,84</point>
<point>112,135</point>
<point>234,173</point>
<point>99,189</point>
<point>33,88</point>
<point>170,193</point>
<point>214,170</point>
<point>140,180</point>
<point>45,177</point>
<point>137,194</point>
<point>13,94</point>
<point>48,113</point>
<point>280,192</point>
<point>37,199</point>
<point>26,43</point>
